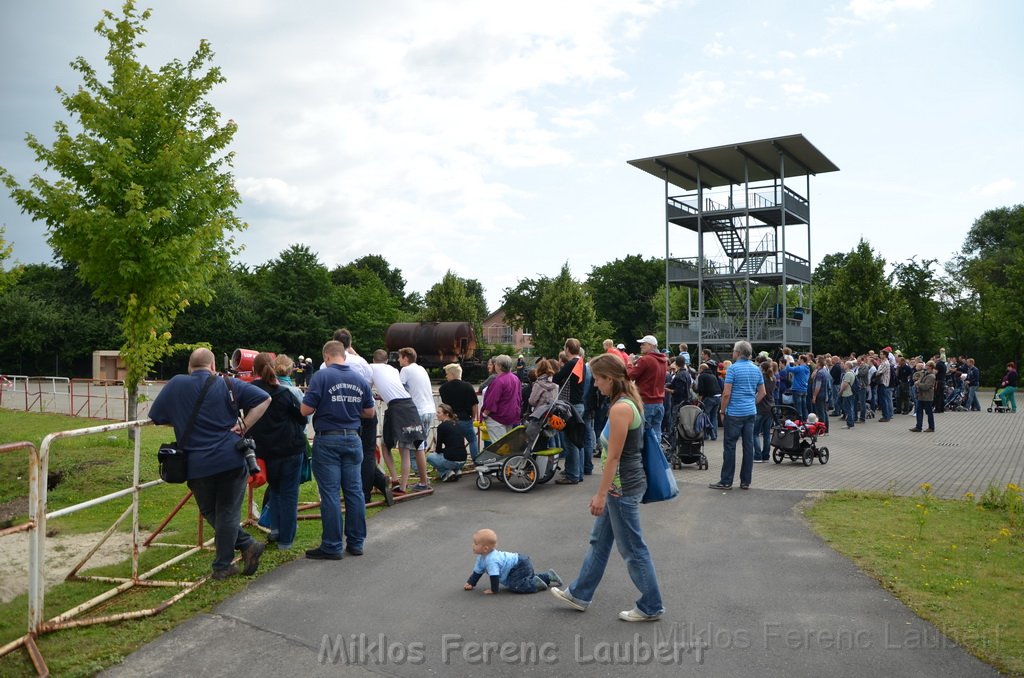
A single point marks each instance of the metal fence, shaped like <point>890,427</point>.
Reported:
<point>92,398</point>
<point>36,528</point>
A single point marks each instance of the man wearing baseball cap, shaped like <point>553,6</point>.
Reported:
<point>648,372</point>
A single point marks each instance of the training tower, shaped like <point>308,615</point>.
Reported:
<point>746,214</point>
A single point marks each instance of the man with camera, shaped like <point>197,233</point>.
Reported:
<point>216,451</point>
<point>338,398</point>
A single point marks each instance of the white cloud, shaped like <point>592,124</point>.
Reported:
<point>695,100</point>
<point>797,92</point>
<point>407,147</point>
<point>873,10</point>
<point>835,50</point>
<point>791,83</point>
<point>995,187</point>
<point>716,49</point>
<point>579,120</point>
<point>770,75</point>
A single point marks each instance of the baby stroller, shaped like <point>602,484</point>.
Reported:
<point>997,403</point>
<point>522,458</point>
<point>955,400</point>
<point>798,441</point>
<point>688,446</point>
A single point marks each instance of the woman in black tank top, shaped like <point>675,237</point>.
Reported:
<point>617,502</point>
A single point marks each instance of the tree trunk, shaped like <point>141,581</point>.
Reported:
<point>132,409</point>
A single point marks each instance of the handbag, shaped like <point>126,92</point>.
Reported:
<point>306,472</point>
<point>661,483</point>
<point>172,457</point>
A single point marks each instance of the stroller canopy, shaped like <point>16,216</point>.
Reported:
<point>686,422</point>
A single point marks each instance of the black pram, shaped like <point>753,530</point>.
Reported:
<point>688,447</point>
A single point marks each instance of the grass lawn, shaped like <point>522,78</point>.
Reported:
<point>958,564</point>
<point>92,466</point>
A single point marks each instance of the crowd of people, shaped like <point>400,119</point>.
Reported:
<point>852,388</point>
<point>612,400</point>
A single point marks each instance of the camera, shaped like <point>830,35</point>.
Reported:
<point>247,448</point>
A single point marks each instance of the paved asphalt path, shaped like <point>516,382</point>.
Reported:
<point>749,591</point>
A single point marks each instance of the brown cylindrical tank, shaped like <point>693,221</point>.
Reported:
<point>436,343</point>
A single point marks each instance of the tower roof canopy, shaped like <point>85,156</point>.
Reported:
<point>724,165</point>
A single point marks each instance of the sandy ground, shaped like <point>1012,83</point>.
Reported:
<point>62,553</point>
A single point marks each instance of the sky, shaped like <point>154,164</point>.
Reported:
<point>492,139</point>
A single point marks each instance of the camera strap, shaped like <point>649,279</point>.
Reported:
<point>195,411</point>
<point>234,404</point>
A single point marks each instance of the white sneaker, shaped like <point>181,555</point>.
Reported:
<point>563,595</point>
<point>635,615</point>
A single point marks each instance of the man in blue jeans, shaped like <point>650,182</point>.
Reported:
<point>973,382</point>
<point>744,388</point>
<point>338,398</point>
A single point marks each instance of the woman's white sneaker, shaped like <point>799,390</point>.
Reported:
<point>635,615</point>
<point>566,598</point>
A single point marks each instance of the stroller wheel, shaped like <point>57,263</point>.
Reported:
<point>777,455</point>
<point>823,456</point>
<point>483,482</point>
<point>519,473</point>
<point>808,457</point>
<point>703,463</point>
<point>990,409</point>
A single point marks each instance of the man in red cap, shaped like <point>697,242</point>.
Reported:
<point>648,372</point>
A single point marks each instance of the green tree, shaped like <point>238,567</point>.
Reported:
<point>475,290</point>
<point>145,200</point>
<point>521,303</point>
<point>826,271</point>
<point>233,318</point>
<point>451,300</point>
<point>52,324</point>
<point>858,309</point>
<point>8,276</point>
<point>961,318</point>
<point>414,305</point>
<point>992,266</point>
<point>298,307</point>
<point>31,323</point>
<point>366,307</point>
<point>565,310</point>
<point>677,311</point>
<point>917,286</point>
<point>392,279</point>
<point>622,291</point>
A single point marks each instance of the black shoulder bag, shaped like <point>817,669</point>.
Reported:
<point>172,457</point>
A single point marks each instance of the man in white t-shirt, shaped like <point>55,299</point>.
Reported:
<point>403,427</point>
<point>417,383</point>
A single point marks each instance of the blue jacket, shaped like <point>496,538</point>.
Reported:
<point>801,374</point>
